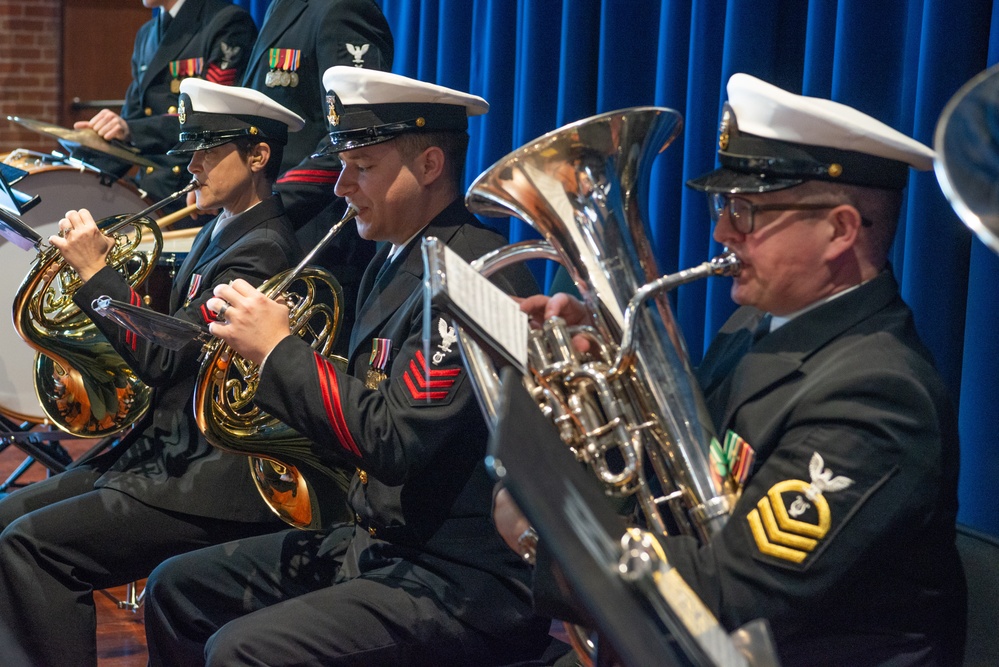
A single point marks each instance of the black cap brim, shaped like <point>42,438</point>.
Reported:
<point>728,181</point>
<point>186,147</point>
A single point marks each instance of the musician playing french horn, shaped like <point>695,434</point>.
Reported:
<point>163,489</point>
<point>420,576</point>
<point>833,421</point>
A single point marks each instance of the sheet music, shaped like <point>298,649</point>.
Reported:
<point>490,307</point>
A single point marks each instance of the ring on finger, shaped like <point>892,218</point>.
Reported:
<point>221,314</point>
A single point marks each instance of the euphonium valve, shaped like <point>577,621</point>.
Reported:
<point>631,409</point>
<point>83,385</point>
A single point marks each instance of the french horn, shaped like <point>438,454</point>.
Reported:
<point>299,485</point>
<point>83,385</point>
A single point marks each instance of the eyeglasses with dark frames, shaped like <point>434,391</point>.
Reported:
<point>742,212</point>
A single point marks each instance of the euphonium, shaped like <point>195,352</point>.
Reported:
<point>83,385</point>
<point>634,403</point>
<point>297,483</point>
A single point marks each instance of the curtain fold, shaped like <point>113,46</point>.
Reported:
<point>544,63</point>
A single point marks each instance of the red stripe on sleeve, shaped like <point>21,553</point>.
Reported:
<point>330,389</point>
<point>318,176</point>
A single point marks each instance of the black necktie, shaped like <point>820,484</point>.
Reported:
<point>762,328</point>
<point>382,271</point>
<point>164,22</point>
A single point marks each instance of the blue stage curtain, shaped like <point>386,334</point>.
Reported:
<point>544,63</point>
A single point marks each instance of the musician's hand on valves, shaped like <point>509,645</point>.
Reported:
<point>82,244</point>
<point>108,125</point>
<point>248,320</point>
<point>540,308</point>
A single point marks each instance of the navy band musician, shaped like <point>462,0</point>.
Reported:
<point>163,489</point>
<point>420,576</point>
<point>207,39</point>
<point>837,428</point>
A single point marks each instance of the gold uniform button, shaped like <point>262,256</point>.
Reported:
<point>372,532</point>
<point>363,476</point>
<point>149,170</point>
<point>172,110</point>
<point>357,518</point>
<point>149,111</point>
<point>176,169</point>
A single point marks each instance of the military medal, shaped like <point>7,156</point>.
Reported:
<point>381,350</point>
<point>283,64</point>
<point>181,69</point>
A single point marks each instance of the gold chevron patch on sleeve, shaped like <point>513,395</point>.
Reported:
<point>779,535</point>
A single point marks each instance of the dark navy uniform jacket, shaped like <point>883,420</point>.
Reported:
<point>215,31</point>
<point>843,537</point>
<point>167,462</point>
<point>422,496</point>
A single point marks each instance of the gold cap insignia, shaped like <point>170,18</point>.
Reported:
<point>723,129</point>
<point>332,116</point>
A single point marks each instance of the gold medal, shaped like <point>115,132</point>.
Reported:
<point>381,351</point>
<point>175,86</point>
<point>285,78</point>
<point>374,378</point>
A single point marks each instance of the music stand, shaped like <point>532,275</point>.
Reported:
<point>582,532</point>
<point>14,201</point>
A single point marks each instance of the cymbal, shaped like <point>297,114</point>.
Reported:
<point>84,137</point>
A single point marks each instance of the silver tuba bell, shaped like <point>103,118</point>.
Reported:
<point>635,403</point>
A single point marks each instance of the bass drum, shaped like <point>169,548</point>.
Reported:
<point>61,188</point>
<point>176,246</point>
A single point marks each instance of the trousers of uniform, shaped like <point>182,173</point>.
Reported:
<point>275,601</point>
<point>63,539</point>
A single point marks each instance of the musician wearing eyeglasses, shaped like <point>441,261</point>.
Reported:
<point>838,432</point>
<point>163,489</point>
<point>419,576</point>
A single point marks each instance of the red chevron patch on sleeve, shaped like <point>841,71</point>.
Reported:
<point>225,77</point>
<point>330,389</point>
<point>208,316</point>
<point>314,176</point>
<point>428,385</point>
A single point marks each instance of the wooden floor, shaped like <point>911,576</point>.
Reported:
<point>121,641</point>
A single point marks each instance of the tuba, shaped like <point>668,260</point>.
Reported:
<point>634,403</point>
<point>83,385</point>
<point>629,409</point>
<point>297,484</point>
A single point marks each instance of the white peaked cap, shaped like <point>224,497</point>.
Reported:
<point>772,139</point>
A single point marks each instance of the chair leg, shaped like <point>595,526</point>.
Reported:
<point>132,600</point>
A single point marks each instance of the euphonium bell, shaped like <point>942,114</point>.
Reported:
<point>635,404</point>
<point>83,385</point>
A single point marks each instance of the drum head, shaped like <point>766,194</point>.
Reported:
<point>967,163</point>
<point>61,188</point>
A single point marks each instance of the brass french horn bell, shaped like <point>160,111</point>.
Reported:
<point>83,385</point>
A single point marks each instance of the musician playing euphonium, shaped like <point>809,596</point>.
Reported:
<point>163,490</point>
<point>836,426</point>
<point>420,576</point>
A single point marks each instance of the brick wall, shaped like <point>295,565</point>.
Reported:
<point>29,70</point>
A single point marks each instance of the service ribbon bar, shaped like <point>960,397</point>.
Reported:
<point>285,59</point>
